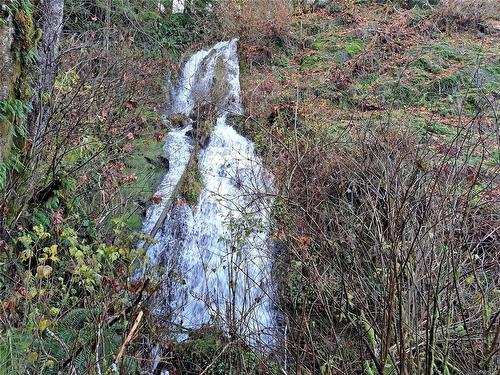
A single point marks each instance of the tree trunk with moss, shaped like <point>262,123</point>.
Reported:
<point>7,72</point>
<point>18,40</point>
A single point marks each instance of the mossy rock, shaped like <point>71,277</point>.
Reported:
<point>146,163</point>
<point>191,183</point>
<point>204,120</point>
<point>242,125</point>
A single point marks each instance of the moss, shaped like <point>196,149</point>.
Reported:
<point>191,183</point>
<point>280,60</point>
<point>312,62</point>
<point>332,47</point>
<point>354,47</point>
<point>241,125</point>
<point>149,175</point>
<point>447,52</point>
<point>427,65</point>
<point>26,28</point>
<point>220,84</point>
<point>434,127</point>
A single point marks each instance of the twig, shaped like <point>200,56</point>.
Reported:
<point>218,356</point>
<point>129,336</point>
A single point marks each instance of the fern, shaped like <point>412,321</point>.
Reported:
<point>31,56</point>
<point>14,347</point>
<point>75,338</point>
<point>14,111</point>
<point>13,162</point>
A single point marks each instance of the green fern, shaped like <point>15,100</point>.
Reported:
<point>14,348</point>
<point>14,111</point>
<point>75,338</point>
<point>13,162</point>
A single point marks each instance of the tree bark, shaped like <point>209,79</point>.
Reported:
<point>50,21</point>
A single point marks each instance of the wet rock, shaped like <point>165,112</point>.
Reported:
<point>159,162</point>
<point>164,162</point>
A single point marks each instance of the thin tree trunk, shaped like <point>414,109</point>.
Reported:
<point>107,25</point>
<point>50,21</point>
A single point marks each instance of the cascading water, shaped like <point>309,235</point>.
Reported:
<point>214,256</point>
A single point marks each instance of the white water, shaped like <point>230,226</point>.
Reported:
<point>215,257</point>
<point>178,6</point>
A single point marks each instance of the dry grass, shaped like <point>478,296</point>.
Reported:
<point>257,23</point>
<point>466,14</point>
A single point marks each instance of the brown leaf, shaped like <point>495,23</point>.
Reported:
<point>58,217</point>
<point>156,199</point>
<point>131,104</point>
<point>136,286</point>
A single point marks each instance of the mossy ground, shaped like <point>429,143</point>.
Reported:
<point>360,63</point>
<point>145,149</point>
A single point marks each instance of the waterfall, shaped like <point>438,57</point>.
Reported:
<point>214,256</point>
<point>178,6</point>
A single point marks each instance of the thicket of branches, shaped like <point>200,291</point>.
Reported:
<point>394,255</point>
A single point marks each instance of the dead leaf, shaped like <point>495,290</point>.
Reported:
<point>131,104</point>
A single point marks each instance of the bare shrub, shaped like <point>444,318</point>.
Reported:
<point>392,258</point>
<point>466,14</point>
<point>257,23</point>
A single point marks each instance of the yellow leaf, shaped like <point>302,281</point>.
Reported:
<point>33,356</point>
<point>51,250</point>
<point>26,254</point>
<point>54,311</point>
<point>40,232</point>
<point>44,324</point>
<point>43,271</point>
